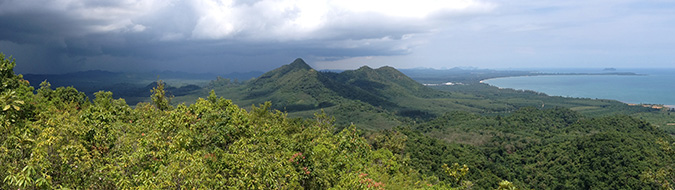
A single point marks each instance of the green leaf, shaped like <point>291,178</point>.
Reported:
<point>16,107</point>
<point>6,108</point>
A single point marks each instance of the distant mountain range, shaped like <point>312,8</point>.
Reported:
<point>386,97</point>
<point>371,98</point>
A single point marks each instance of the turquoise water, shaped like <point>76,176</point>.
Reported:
<point>656,86</point>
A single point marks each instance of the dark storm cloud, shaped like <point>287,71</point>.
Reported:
<point>237,35</point>
<point>201,35</point>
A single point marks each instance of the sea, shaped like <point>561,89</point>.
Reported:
<point>649,86</point>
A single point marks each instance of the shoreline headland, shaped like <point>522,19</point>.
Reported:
<point>565,74</point>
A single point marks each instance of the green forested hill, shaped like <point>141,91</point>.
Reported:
<point>293,87</point>
<point>371,98</point>
<point>545,149</point>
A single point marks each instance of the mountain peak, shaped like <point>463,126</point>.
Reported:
<point>300,64</point>
<point>364,68</point>
<point>291,72</point>
<point>297,65</point>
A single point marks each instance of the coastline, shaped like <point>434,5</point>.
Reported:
<point>666,104</point>
<point>534,74</point>
<point>653,106</point>
<point>483,81</point>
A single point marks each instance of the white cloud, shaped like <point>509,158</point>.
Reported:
<point>216,19</point>
<point>308,19</point>
<point>411,9</point>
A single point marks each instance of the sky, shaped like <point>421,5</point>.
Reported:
<point>224,36</point>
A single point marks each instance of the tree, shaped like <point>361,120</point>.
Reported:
<point>662,177</point>
<point>159,97</point>
<point>12,92</point>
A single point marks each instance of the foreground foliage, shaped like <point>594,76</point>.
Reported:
<point>546,149</point>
